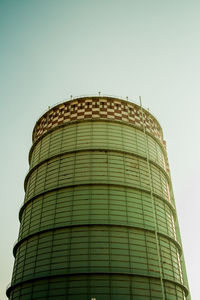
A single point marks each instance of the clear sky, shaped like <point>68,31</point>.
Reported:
<point>51,49</point>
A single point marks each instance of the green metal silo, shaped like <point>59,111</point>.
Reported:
<point>99,219</point>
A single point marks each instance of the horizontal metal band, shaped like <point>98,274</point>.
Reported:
<point>12,287</point>
<point>94,150</point>
<point>172,208</point>
<point>92,121</point>
<point>18,243</point>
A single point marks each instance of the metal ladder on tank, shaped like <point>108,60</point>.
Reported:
<point>152,201</point>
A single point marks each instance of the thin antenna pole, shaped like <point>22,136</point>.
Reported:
<point>140,98</point>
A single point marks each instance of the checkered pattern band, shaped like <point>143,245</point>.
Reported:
<point>97,108</point>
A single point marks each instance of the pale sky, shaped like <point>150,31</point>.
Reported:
<point>51,49</point>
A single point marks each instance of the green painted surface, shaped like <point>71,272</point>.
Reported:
<point>87,225</point>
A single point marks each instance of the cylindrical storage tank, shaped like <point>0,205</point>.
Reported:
<point>99,219</point>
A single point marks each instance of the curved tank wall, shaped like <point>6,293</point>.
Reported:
<point>99,218</point>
